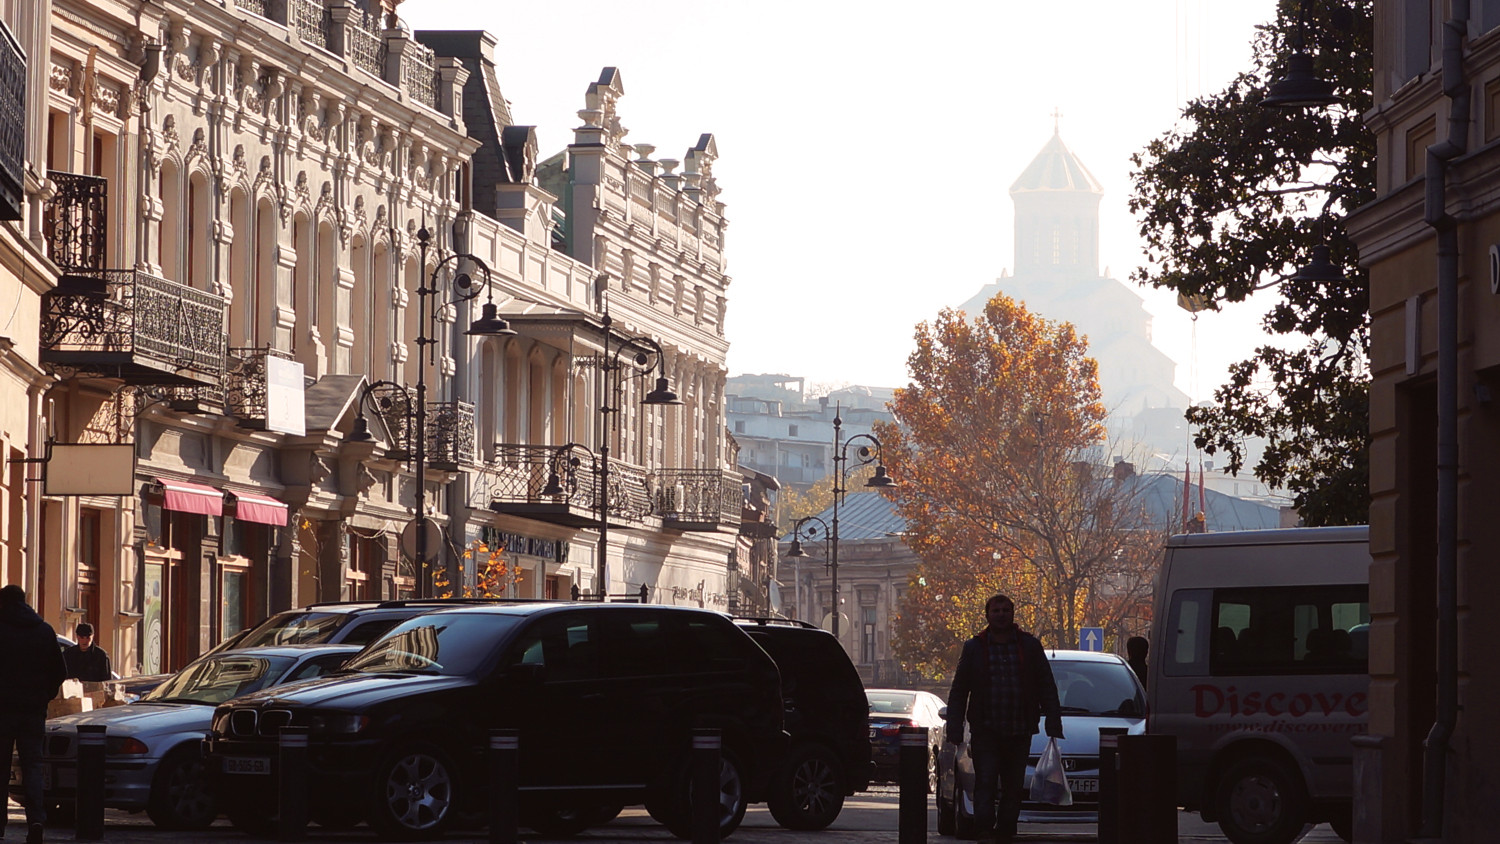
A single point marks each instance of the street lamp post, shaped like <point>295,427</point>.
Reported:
<point>800,528</point>
<point>868,451</point>
<point>646,356</point>
<point>394,399</point>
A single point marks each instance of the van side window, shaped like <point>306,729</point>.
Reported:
<point>1187,620</point>
<point>1290,630</point>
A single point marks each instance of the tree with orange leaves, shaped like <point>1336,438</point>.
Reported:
<point>996,455</point>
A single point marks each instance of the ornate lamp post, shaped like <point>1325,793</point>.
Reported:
<point>867,451</point>
<point>616,366</point>
<point>392,400</point>
<point>800,528</point>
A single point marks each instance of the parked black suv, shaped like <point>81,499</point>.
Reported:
<point>338,622</point>
<point>826,715</point>
<point>605,697</point>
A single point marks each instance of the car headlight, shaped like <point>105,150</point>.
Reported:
<point>126,746</point>
<point>337,723</point>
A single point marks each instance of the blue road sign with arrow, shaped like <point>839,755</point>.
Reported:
<point>1091,638</point>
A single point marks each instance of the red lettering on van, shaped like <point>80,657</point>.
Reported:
<point>1207,700</point>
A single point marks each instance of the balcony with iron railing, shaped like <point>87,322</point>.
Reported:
<point>450,427</point>
<point>699,499</point>
<point>123,324</point>
<point>518,477</point>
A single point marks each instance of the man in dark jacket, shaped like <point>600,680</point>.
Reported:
<point>1004,685</point>
<point>87,661</point>
<point>31,671</point>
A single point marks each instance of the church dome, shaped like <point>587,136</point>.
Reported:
<point>1056,168</point>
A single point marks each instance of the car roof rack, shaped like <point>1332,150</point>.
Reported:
<point>421,602</point>
<point>765,621</point>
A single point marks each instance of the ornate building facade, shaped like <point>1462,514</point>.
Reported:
<point>266,228</point>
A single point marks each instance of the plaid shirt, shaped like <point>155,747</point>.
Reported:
<point>1005,688</point>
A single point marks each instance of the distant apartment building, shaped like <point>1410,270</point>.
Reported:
<point>783,435</point>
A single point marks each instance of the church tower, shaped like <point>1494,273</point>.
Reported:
<point>1057,214</point>
<point>1058,277</point>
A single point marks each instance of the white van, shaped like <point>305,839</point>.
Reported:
<point>1259,668</point>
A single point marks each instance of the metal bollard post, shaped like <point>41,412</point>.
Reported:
<point>707,767</point>
<point>912,811</point>
<point>291,801</point>
<point>504,766</point>
<point>1109,784</point>
<point>1148,789</point>
<point>90,806</point>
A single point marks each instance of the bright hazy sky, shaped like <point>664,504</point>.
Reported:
<point>866,148</point>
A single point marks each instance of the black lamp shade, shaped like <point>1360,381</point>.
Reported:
<point>490,324</point>
<point>796,552</point>
<point>881,480</point>
<point>1301,87</point>
<point>361,431</point>
<point>1320,268</point>
<point>554,485</point>
<point>662,394</point>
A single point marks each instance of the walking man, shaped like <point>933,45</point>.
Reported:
<point>86,661</point>
<point>31,671</point>
<point>1004,685</point>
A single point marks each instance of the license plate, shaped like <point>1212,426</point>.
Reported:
<point>247,765</point>
<point>1083,785</point>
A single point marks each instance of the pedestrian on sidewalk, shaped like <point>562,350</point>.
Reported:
<point>1004,685</point>
<point>31,671</point>
<point>86,661</point>
<point>1136,648</point>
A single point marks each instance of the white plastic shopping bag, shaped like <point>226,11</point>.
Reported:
<point>1049,784</point>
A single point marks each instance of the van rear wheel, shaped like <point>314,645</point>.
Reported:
<point>1261,801</point>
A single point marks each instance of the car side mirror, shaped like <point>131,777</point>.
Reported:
<point>1127,708</point>
<point>943,712</point>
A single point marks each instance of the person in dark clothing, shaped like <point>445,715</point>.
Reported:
<point>86,661</point>
<point>1004,685</point>
<point>1136,648</point>
<point>31,671</point>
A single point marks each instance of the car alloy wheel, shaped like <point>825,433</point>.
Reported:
<point>808,791</point>
<point>414,793</point>
<point>180,798</point>
<point>731,799</point>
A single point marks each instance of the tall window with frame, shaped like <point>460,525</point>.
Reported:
<point>244,562</point>
<point>362,580</point>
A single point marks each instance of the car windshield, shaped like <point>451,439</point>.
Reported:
<point>891,703</point>
<point>219,677</point>
<point>294,628</point>
<point>1097,688</point>
<point>451,644</point>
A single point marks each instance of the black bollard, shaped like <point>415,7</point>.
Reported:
<point>1109,784</point>
<point>1148,789</point>
<point>504,750</point>
<point>912,811</point>
<point>90,805</point>
<point>707,768</point>
<point>291,809</point>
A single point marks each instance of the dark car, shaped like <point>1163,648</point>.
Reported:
<point>153,759</point>
<point>604,696</point>
<point>892,709</point>
<point>334,623</point>
<point>829,756</point>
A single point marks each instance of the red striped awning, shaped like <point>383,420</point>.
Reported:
<point>250,507</point>
<point>186,497</point>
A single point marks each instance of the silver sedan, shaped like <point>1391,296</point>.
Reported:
<point>152,746</point>
<point>1096,690</point>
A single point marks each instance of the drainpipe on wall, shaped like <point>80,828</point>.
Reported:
<point>1456,88</point>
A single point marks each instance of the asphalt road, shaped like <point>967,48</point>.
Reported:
<point>868,817</point>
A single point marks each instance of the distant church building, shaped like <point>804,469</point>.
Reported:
<point>1057,276</point>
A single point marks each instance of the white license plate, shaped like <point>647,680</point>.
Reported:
<point>247,765</point>
<point>1083,785</point>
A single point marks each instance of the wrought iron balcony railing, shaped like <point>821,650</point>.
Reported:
<point>130,325</point>
<point>245,385</point>
<point>698,499</point>
<point>520,473</point>
<point>74,221</point>
<point>450,434</point>
<point>419,74</point>
<point>450,427</point>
